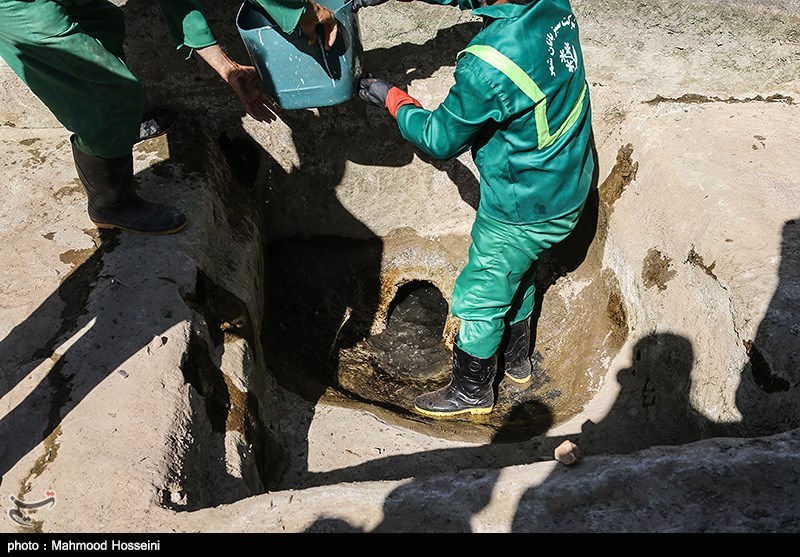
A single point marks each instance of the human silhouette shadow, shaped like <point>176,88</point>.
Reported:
<point>446,505</point>
<point>768,395</point>
<point>653,409</point>
<point>113,336</point>
<point>653,406</point>
<point>34,340</point>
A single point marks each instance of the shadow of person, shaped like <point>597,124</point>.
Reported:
<point>34,341</point>
<point>109,308</point>
<point>102,338</point>
<point>103,313</point>
<point>435,501</point>
<point>768,395</point>
<point>71,340</point>
<point>653,406</point>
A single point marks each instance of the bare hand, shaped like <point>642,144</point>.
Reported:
<point>245,83</point>
<point>243,80</point>
<point>314,15</point>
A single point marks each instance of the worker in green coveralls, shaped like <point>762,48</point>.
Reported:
<point>70,54</point>
<point>520,102</point>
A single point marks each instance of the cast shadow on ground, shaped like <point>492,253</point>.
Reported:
<point>87,329</point>
<point>323,266</point>
<point>659,399</point>
<point>769,391</point>
<point>94,322</point>
<point>653,408</point>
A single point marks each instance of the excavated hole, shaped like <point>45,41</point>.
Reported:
<point>411,345</point>
<point>366,323</point>
<point>351,321</point>
<point>356,322</point>
<point>324,297</point>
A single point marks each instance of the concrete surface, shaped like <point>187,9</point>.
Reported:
<point>137,389</point>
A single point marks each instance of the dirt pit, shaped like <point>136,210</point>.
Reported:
<point>368,319</point>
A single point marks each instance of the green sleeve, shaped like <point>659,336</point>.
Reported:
<point>453,126</point>
<point>442,2</point>
<point>187,23</point>
<point>286,13</point>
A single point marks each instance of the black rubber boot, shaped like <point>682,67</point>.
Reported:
<point>470,391</point>
<point>516,355</point>
<point>113,202</point>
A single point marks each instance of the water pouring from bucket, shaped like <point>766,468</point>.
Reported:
<point>298,75</point>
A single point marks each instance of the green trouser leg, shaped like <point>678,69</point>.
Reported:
<point>70,55</point>
<point>496,286</point>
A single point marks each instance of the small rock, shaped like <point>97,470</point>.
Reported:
<point>567,453</point>
<point>156,343</point>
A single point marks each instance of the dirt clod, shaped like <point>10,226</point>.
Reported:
<point>568,453</point>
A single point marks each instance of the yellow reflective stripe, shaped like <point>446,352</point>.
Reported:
<point>573,116</point>
<point>528,86</point>
<point>522,80</point>
<point>508,67</point>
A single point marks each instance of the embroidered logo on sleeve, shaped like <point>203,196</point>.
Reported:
<point>567,54</point>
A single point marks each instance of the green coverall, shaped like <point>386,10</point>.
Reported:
<point>521,103</point>
<point>70,54</point>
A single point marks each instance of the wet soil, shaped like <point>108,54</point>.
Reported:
<point>323,296</point>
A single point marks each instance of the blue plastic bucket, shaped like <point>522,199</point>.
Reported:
<point>296,74</point>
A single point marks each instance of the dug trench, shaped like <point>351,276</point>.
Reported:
<point>365,323</point>
<point>311,320</point>
<point>354,318</point>
<point>369,321</point>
